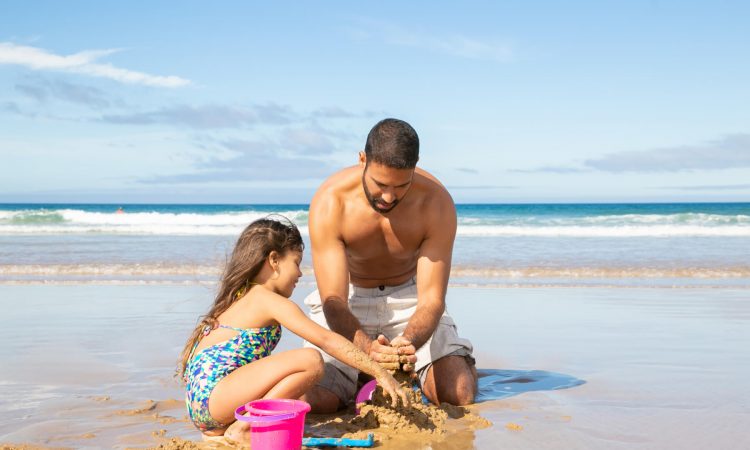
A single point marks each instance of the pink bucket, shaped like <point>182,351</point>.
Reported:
<point>275,424</point>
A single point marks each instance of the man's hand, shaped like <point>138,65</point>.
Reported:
<point>406,352</point>
<point>392,357</point>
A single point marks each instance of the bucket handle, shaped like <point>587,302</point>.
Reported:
<point>239,414</point>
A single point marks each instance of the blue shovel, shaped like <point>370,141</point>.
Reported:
<point>338,442</point>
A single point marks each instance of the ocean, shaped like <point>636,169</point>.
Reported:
<point>645,303</point>
<point>498,245</point>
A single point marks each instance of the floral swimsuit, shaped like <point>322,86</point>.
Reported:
<point>210,365</point>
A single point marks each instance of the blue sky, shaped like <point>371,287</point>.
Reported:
<point>256,102</point>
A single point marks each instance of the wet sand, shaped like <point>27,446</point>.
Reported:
<point>87,366</point>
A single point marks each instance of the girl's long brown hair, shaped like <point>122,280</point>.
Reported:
<point>254,245</point>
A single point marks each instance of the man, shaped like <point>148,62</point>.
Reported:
<point>387,228</point>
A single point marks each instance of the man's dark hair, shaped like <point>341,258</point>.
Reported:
<point>393,143</point>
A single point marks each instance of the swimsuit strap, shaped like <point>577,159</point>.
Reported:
<point>243,290</point>
<point>206,331</point>
<point>247,330</point>
<point>232,328</point>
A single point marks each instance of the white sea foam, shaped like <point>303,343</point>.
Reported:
<point>607,231</point>
<point>139,271</point>
<point>75,221</point>
<point>105,270</point>
<point>72,221</point>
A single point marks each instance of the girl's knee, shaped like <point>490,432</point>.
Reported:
<point>313,362</point>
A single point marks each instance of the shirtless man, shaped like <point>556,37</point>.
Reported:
<point>387,228</point>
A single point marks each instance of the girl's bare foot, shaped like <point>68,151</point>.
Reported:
<point>219,440</point>
<point>238,432</point>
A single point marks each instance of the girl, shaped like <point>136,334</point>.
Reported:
<point>227,361</point>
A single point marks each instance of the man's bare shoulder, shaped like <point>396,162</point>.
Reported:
<point>434,197</point>
<point>331,196</point>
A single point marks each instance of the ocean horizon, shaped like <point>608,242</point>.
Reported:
<point>519,244</point>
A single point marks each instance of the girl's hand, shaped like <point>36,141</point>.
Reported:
<point>393,389</point>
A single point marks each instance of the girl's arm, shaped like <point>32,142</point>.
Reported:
<point>289,315</point>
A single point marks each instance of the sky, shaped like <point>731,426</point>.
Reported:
<point>258,102</point>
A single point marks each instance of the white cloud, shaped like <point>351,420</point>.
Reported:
<point>551,169</point>
<point>83,63</point>
<point>481,187</point>
<point>729,152</point>
<point>452,44</point>
<point>307,141</point>
<point>251,161</point>
<point>333,112</point>
<point>207,116</point>
<point>715,187</point>
<point>42,90</point>
<point>455,45</point>
<point>289,154</point>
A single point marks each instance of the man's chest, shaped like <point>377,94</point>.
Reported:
<point>396,239</point>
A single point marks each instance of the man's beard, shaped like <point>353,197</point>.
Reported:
<point>374,201</point>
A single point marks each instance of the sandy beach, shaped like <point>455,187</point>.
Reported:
<point>90,366</point>
<point>577,174</point>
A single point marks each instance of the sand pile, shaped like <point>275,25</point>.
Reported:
<point>416,418</point>
<point>417,422</point>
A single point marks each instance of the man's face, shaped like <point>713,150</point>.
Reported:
<point>385,186</point>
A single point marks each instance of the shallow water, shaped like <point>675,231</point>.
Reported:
<point>663,368</point>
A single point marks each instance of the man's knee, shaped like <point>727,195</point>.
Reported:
<point>452,380</point>
<point>321,400</point>
<point>466,388</point>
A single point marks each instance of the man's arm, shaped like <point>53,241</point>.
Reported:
<point>433,270</point>
<point>331,269</point>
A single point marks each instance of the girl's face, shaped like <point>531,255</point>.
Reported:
<point>289,273</point>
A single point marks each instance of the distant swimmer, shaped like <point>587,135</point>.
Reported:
<point>119,210</point>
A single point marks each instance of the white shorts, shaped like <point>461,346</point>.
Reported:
<point>385,311</point>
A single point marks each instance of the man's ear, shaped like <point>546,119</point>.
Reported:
<point>362,159</point>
